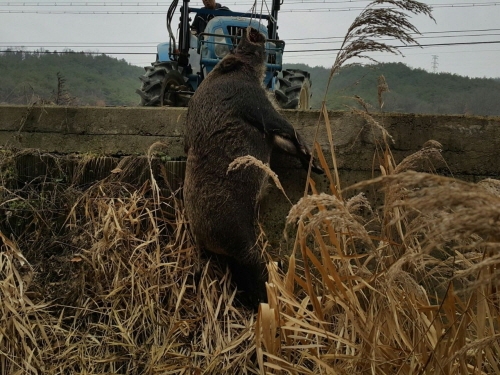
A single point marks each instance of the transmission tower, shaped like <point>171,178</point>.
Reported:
<point>435,63</point>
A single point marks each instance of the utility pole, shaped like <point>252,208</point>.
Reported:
<point>435,63</point>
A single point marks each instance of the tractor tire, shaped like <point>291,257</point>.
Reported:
<point>293,90</point>
<point>158,80</point>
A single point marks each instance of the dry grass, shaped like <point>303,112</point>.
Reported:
<point>418,296</point>
<point>382,87</point>
<point>247,161</point>
<point>379,19</point>
<point>120,290</point>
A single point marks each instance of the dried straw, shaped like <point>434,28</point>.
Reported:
<point>421,298</point>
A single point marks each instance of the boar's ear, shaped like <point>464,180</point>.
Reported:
<point>253,35</point>
<point>229,64</point>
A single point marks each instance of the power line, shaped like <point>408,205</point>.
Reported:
<point>227,3</point>
<point>409,46</point>
<point>79,45</point>
<point>312,54</point>
<point>75,52</point>
<point>296,51</point>
<point>298,10</point>
<point>139,43</point>
<point>149,44</point>
<point>388,39</point>
<point>155,3</point>
<point>158,4</point>
<point>422,33</point>
<point>297,41</point>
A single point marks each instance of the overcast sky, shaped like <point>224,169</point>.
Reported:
<point>305,25</point>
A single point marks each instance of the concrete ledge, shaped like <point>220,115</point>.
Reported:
<point>470,144</point>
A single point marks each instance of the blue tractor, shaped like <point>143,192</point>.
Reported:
<point>183,63</point>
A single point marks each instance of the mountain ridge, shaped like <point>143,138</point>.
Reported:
<point>86,79</point>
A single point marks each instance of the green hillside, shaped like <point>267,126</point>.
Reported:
<point>89,79</point>
<point>410,90</point>
<point>102,80</point>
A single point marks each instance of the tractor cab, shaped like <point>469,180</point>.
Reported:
<point>198,54</point>
<point>220,37</point>
<point>183,62</point>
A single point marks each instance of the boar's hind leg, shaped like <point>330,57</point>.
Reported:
<point>246,263</point>
<point>233,234</point>
<point>250,275</point>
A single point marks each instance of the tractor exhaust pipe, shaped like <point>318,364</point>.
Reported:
<point>272,26</point>
<point>185,35</point>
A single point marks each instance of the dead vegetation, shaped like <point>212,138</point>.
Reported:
<point>417,296</point>
<point>99,276</point>
<point>117,286</point>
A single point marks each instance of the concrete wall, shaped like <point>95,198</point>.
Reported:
<point>470,144</point>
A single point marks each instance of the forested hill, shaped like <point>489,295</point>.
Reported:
<point>86,79</point>
<point>410,90</point>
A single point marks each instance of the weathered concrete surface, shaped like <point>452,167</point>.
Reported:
<point>99,130</point>
<point>470,144</point>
